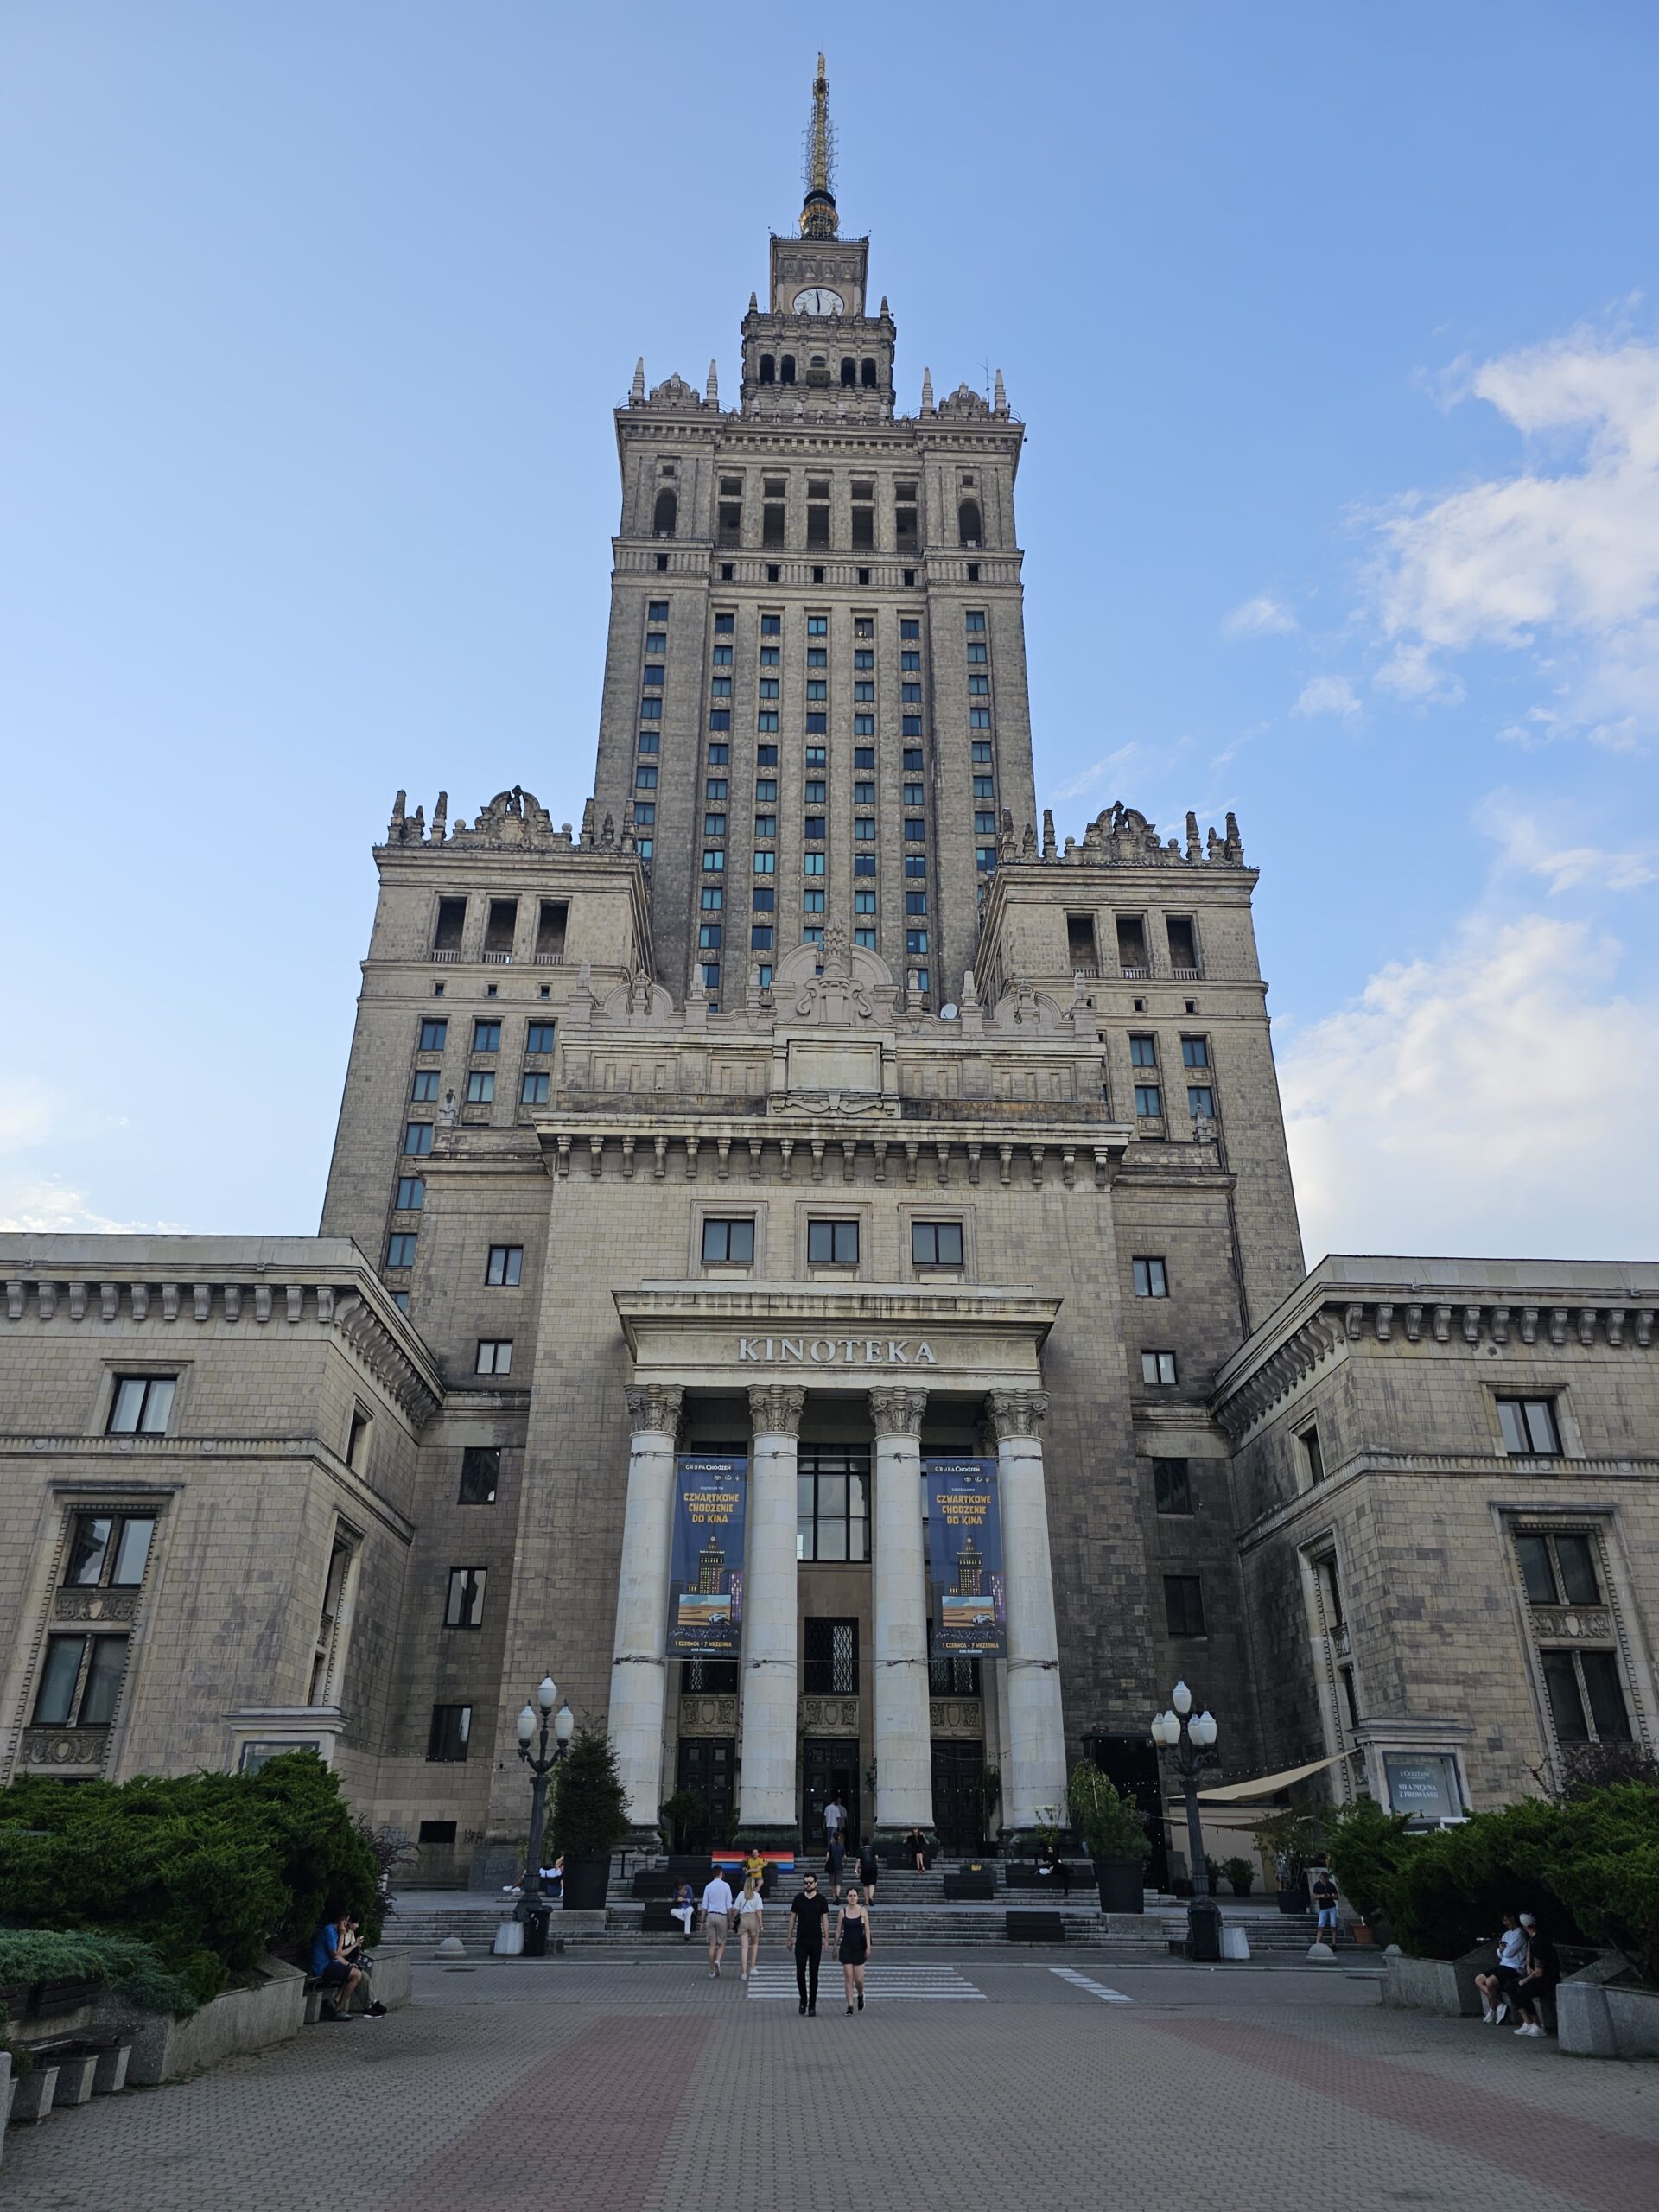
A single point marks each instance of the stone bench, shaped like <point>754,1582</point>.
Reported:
<point>1033,1927</point>
<point>961,1888</point>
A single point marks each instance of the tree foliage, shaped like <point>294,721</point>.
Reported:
<point>1112,1826</point>
<point>589,1815</point>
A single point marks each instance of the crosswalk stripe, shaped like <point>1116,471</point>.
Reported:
<point>887,1985</point>
<point>1095,1988</point>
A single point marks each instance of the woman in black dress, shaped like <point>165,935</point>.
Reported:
<point>852,1945</point>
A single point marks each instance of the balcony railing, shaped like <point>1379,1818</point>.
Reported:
<point>550,960</point>
<point>496,959</point>
<point>1136,975</point>
<point>446,954</point>
<point>1185,975</point>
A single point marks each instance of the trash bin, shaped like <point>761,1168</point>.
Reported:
<point>1204,1930</point>
<point>509,1939</point>
<point>536,1922</point>
<point>1235,1943</point>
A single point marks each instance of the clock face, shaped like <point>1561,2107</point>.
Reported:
<point>817,299</point>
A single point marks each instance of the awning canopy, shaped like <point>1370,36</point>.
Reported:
<point>1264,1785</point>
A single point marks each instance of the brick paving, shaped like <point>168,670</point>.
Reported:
<point>649,2089</point>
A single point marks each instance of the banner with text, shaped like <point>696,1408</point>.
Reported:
<point>964,1558</point>
<point>705,1589</point>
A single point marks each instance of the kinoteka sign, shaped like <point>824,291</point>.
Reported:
<point>837,1352</point>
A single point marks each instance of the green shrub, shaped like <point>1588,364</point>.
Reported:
<point>1366,1846</point>
<point>1111,1825</point>
<point>589,1815</point>
<point>132,1970</point>
<point>211,1870</point>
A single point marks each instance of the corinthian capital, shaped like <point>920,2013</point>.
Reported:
<point>655,1406</point>
<point>1018,1413</point>
<point>775,1409</point>
<point>897,1412</point>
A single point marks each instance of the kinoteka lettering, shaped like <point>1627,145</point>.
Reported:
<point>837,1352</point>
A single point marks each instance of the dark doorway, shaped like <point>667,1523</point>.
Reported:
<point>828,1769</point>
<point>1130,1763</point>
<point>958,1796</point>
<point>706,1766</point>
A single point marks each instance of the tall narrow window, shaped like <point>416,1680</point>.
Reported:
<point>1171,1486</point>
<point>1183,1605</point>
<point>446,1737</point>
<point>1312,1453</point>
<point>971,529</point>
<point>452,921</point>
<point>664,513</point>
<point>481,1474</point>
<point>80,1681</point>
<point>464,1603</point>
<point>829,1657</point>
<point>1151,1279</point>
<point>327,1656</point>
<point>109,1551</point>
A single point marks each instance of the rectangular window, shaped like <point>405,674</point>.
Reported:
<point>812,902</point>
<point>1558,1570</point>
<point>772,625</point>
<point>979,718</point>
<point>1201,1102</point>
<point>985,826</point>
<point>766,789</point>
<point>1183,1605</point>
<point>652,678</point>
<point>830,1654</point>
<point>1143,1051</point>
<point>481,1474</point>
<point>1148,1101</point>
<point>864,864</point>
<point>866,938</point>
<point>424,1086</point>
<point>720,687</point>
<point>1312,1453</point>
<point>644,814</point>
<point>464,1606</point>
<point>832,1522</point>
<point>765,756</point>
<point>979,687</point>
<point>729,1243</point>
<point>506,1266</point>
<point>709,936</point>
<point>984,857</point>
<point>540,1035</point>
<point>832,1244</point>
<point>1151,1280</point>
<point>481,1086</point>
<point>656,642</point>
<point>648,740</point>
<point>143,1405</point>
<point>985,787</point>
<point>714,825</point>
<point>487,1036</point>
<point>909,725</point>
<point>763,899</point>
<point>761,937</point>
<point>657,611</point>
<point>400,1250</point>
<point>864,828</point>
<point>813,826</point>
<point>976,624</point>
<point>411,1194</point>
<point>714,862</point>
<point>1586,1699</point>
<point>446,1737</point>
<point>417,1139</point>
<point>650,710</point>
<point>714,897</point>
<point>494,1356</point>
<point>434,1036</point>
<point>720,718</point>
<point>812,864</point>
<point>1171,1486</point>
<point>1530,1427</point>
<point>765,864</point>
<point>108,1550</point>
<point>863,902</point>
<point>980,751</point>
<point>766,721</point>
<point>915,902</point>
<point>1195,1052</point>
<point>936,1244</point>
<point>768,689</point>
<point>80,1680</point>
<point>452,920</point>
<point>535,1087</point>
<point>915,941</point>
<point>1157,1367</point>
<point>644,779</point>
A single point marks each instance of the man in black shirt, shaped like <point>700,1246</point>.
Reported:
<point>807,1914</point>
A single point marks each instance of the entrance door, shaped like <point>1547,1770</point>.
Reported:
<point>706,1766</point>
<point>1130,1763</point>
<point>958,1794</point>
<point>829,1769</point>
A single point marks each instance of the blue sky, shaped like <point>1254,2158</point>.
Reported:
<point>1336,331</point>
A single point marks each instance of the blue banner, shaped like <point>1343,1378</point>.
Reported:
<point>705,1590</point>
<point>964,1558</point>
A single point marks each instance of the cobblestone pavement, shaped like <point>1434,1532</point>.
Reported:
<point>615,2088</point>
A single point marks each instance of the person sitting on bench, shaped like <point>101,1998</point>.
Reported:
<point>332,1967</point>
<point>915,1850</point>
<point>683,1908</point>
<point>1050,1863</point>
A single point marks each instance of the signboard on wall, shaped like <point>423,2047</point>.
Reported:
<point>1422,1784</point>
<point>705,1587</point>
<point>964,1558</point>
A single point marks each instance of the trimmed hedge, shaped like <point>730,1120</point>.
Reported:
<point>209,1870</point>
<point>132,1970</point>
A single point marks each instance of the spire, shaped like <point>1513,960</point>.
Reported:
<point>1000,406</point>
<point>637,391</point>
<point>712,390</point>
<point>818,208</point>
<point>927,391</point>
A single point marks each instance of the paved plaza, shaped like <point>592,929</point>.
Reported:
<point>978,2080</point>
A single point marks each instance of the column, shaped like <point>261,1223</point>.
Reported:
<point>904,1749</point>
<point>639,1656</point>
<point>1033,1775</point>
<point>766,1810</point>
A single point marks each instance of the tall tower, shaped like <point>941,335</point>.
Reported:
<point>815,705</point>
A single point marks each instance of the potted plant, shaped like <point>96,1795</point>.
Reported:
<point>1241,1874</point>
<point>1291,1839</point>
<point>683,1820</point>
<point>1113,1832</point>
<point>589,1818</point>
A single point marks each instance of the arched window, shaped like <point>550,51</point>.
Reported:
<point>664,517</point>
<point>768,369</point>
<point>969,529</point>
<point>787,373</point>
<point>849,370</point>
<point>868,379</point>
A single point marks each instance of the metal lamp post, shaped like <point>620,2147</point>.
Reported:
<point>541,1765</point>
<point>1191,1737</point>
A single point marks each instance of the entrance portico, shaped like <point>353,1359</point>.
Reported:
<point>906,1369</point>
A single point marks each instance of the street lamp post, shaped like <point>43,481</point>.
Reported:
<point>1191,1737</point>
<point>541,1765</point>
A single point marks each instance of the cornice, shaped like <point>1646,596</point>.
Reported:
<point>611,1140</point>
<point>1559,1477</point>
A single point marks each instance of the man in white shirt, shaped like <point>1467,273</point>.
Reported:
<point>717,1919</point>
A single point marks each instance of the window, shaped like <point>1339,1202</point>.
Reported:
<point>765,863</point>
<point>714,825</point>
<point>80,1680</point>
<point>766,721</point>
<point>1143,1051</point>
<point>763,899</point>
<point>713,788</point>
<point>480,1473</point>
<point>434,1035</point>
<point>650,741</point>
<point>729,1243</point>
<point>984,857</point>
<point>1586,1701</point>
<point>1151,1280</point>
<point>817,626</point>
<point>411,1194</point>
<point>830,1658</point>
<point>400,1250</point>
<point>447,1739</point>
<point>656,641</point>
<point>813,902</point>
<point>452,920</point>
<point>464,1606</point>
<point>720,687</point>
<point>506,1266</point>
<point>714,897</point>
<point>494,1356</point>
<point>766,789</point>
<point>977,656</point>
<point>985,826</point>
<point>143,1405</point>
<point>424,1084</point>
<point>863,902</point>
<point>719,755</point>
<point>720,718</point>
<point>909,725</point>
<point>1183,949</point>
<point>1157,1367</point>
<point>936,1244</point>
<point>1201,1102</point>
<point>814,758</point>
<point>864,828</point>
<point>109,1551</point>
<point>487,1036</point>
<point>1171,1486</point>
<point>417,1138</point>
<point>644,778</point>
<point>768,687</point>
<point>652,678</point>
<point>832,1244</point>
<point>538,1036</point>
<point>915,902</point>
<point>765,756</point>
<point>812,864</point>
<point>813,826</point>
<point>657,611</point>
<point>864,864</point>
<point>481,1086</point>
<point>915,941</point>
<point>761,937</point>
<point>1183,1605</point>
<point>714,862</point>
<point>709,935</point>
<point>832,1511</point>
<point>534,1088</point>
<point>1195,1052</point>
<point>980,751</point>
<point>1558,1570</point>
<point>1148,1101</point>
<point>979,687</point>
<point>1530,1427</point>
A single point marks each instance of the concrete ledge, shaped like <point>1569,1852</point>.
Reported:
<point>392,1980</point>
<point>1596,2018</point>
<point>1430,1986</point>
<point>165,2049</point>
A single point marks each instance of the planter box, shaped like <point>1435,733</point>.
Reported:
<point>1122,1884</point>
<point>75,2080</point>
<point>1597,2018</point>
<point>36,2092</point>
<point>1443,1986</point>
<point>111,2077</point>
<point>586,1881</point>
<point>165,2049</point>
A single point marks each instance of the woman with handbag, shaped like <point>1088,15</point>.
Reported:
<point>852,1945</point>
<point>750,1926</point>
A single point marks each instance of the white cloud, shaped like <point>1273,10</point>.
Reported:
<point>43,1205</point>
<point>1258,618</point>
<point>1526,843</point>
<point>1487,1100</point>
<point>1086,778</point>
<point>1326,695</point>
<point>1560,565</point>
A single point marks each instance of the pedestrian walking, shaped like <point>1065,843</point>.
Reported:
<point>1325,1903</point>
<point>807,1913</point>
<point>853,1945</point>
<point>869,1867</point>
<point>1499,1990</point>
<point>1537,1984</point>
<point>750,1926</point>
<point>716,1920</point>
<point>834,1840</point>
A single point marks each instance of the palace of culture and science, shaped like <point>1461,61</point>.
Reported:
<point>814,1112</point>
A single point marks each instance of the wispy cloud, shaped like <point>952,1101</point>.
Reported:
<point>1086,779</point>
<point>1533,845</point>
<point>1258,618</point>
<point>44,1205</point>
<point>1326,695</point>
